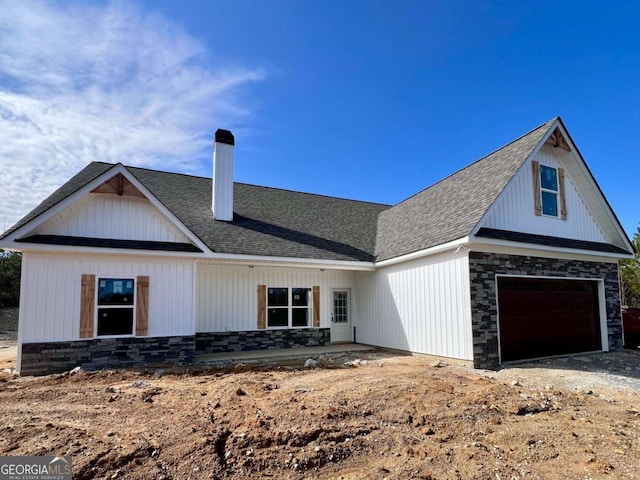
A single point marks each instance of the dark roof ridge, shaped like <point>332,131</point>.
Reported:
<point>254,185</point>
<point>479,160</point>
<point>160,171</point>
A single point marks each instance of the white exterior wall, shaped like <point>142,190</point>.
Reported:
<point>514,209</point>
<point>222,194</point>
<point>100,215</point>
<point>50,303</point>
<point>227,298</point>
<point>421,305</point>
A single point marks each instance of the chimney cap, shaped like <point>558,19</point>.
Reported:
<point>224,136</point>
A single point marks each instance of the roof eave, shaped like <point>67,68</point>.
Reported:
<point>610,211</point>
<point>444,247</point>
<point>486,244</point>
<point>59,206</point>
<point>556,121</point>
<point>9,241</point>
<point>289,262</point>
<point>219,258</point>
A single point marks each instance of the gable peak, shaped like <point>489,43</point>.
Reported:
<point>557,140</point>
<point>119,185</point>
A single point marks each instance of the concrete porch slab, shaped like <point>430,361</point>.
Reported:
<point>279,354</point>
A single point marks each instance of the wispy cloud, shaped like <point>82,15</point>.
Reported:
<point>110,82</point>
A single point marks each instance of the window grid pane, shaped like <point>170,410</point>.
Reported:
<point>278,297</point>
<point>549,204</point>
<point>300,297</point>
<point>115,291</point>
<point>300,317</point>
<point>278,317</point>
<point>115,321</point>
<point>549,178</point>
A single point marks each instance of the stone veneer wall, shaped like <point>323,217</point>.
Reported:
<point>483,268</point>
<point>217,342</point>
<point>96,354</point>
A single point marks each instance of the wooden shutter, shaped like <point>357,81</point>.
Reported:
<point>563,195</point>
<point>537,200</point>
<point>262,307</point>
<point>87,305</point>
<point>142,306</point>
<point>316,307</point>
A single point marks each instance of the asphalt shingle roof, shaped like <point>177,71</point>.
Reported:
<point>267,221</point>
<point>451,208</point>
<point>270,221</point>
<point>274,222</point>
<point>75,183</point>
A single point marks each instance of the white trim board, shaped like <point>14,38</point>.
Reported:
<point>497,200</point>
<point>480,244</point>
<point>9,241</point>
<point>583,180</point>
<point>459,243</point>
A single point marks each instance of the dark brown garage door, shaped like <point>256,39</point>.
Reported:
<point>542,317</point>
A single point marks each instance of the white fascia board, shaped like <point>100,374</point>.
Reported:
<point>234,259</point>
<point>42,247</point>
<point>228,259</point>
<point>531,249</point>
<point>61,205</point>
<point>591,180</point>
<point>534,152</point>
<point>581,163</point>
<point>10,244</point>
<point>460,242</point>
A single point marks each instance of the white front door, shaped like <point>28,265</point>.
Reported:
<point>341,316</point>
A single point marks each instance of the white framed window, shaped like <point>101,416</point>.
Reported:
<point>115,306</point>
<point>289,307</point>
<point>549,190</point>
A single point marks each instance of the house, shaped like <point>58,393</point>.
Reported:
<point>513,257</point>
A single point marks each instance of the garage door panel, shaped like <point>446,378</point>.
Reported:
<point>544,317</point>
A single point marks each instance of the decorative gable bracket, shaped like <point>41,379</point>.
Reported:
<point>119,185</point>
<point>556,139</point>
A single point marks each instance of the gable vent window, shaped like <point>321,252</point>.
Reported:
<point>288,307</point>
<point>549,190</point>
<point>116,306</point>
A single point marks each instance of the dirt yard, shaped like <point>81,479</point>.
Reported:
<point>389,416</point>
<point>8,337</point>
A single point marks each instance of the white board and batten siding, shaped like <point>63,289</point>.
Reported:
<point>227,296</point>
<point>50,307</point>
<point>421,305</point>
<point>514,209</point>
<point>100,215</point>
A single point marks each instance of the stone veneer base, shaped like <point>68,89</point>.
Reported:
<point>101,353</point>
<point>483,268</point>
<point>218,342</point>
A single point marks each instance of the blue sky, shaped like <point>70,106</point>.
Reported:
<point>360,99</point>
